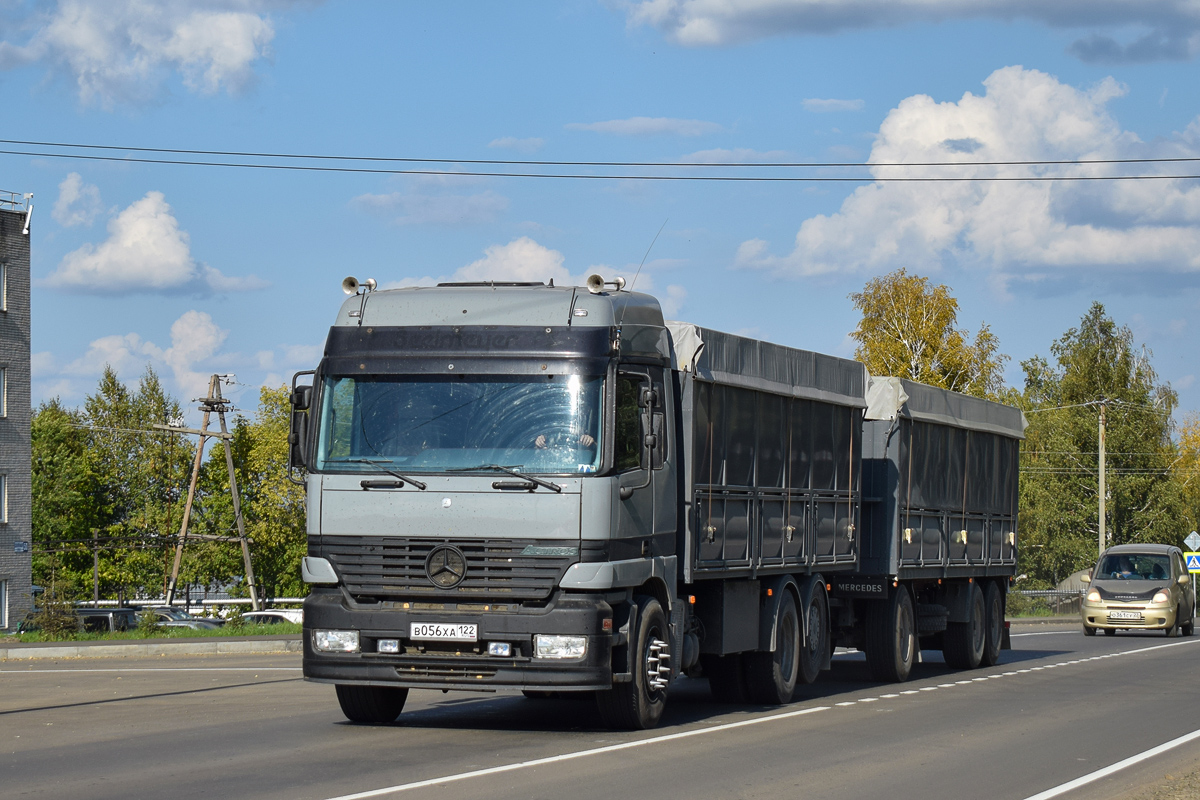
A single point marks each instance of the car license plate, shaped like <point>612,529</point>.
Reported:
<point>443,631</point>
<point>1125,615</point>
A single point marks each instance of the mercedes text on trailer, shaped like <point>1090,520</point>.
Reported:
<point>553,489</point>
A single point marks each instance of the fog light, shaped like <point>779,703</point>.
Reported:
<point>503,649</point>
<point>546,646</point>
<point>336,641</point>
<point>389,645</point>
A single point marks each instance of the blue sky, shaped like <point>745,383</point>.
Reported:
<point>203,269</point>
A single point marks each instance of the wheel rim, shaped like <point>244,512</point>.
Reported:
<point>788,647</point>
<point>815,633</point>
<point>904,630</point>
<point>658,664</point>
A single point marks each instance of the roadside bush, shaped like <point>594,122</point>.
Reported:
<point>148,623</point>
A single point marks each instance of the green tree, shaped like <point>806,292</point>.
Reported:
<point>1097,367</point>
<point>908,330</point>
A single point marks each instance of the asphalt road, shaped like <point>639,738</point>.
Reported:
<point>1059,707</point>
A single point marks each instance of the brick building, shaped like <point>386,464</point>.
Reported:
<point>15,413</point>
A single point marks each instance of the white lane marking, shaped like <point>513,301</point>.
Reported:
<point>149,669</point>
<point>1117,767</point>
<point>728,726</point>
<point>1072,632</point>
<point>612,748</point>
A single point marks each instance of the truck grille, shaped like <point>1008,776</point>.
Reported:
<point>374,566</point>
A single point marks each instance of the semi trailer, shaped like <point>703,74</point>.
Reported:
<point>553,489</point>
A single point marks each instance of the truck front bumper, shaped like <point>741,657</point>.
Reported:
<point>461,665</point>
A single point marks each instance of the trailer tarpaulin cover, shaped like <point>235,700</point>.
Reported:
<point>889,397</point>
<point>738,361</point>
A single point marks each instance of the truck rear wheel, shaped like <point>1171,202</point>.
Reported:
<point>964,642</point>
<point>771,677</point>
<point>891,637</point>
<point>371,705</point>
<point>816,640</point>
<point>639,704</point>
<point>993,601</point>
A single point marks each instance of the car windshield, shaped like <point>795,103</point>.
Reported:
<point>1135,567</point>
<point>422,424</point>
<point>174,613</point>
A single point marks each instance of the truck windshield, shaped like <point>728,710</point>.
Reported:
<point>422,424</point>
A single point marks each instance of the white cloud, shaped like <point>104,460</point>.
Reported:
<point>1027,229</point>
<point>1170,26</point>
<point>820,106</point>
<point>740,155</point>
<point>525,260</point>
<point>195,339</point>
<point>145,252</point>
<point>436,209</point>
<point>531,145</point>
<point>647,126</point>
<point>122,50</point>
<point>78,202</point>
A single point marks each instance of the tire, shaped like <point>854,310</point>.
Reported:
<point>639,704</point>
<point>993,603</point>
<point>964,642</point>
<point>891,637</point>
<point>815,645</point>
<point>1110,631</point>
<point>539,694</point>
<point>726,677</point>
<point>1089,631</point>
<point>771,677</point>
<point>371,705</point>
<point>1189,627</point>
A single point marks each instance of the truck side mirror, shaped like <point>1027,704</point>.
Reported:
<point>301,400</point>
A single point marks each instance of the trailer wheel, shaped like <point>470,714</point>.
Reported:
<point>993,601</point>
<point>771,677</point>
<point>964,642</point>
<point>726,677</point>
<point>891,637</point>
<point>639,704</point>
<point>816,644</point>
<point>371,705</point>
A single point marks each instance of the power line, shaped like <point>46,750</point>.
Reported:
<point>618,177</point>
<point>520,162</point>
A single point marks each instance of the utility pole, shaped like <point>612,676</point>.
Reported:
<point>1103,488</point>
<point>210,404</point>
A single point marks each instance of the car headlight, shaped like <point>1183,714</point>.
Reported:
<point>336,641</point>
<point>1093,596</point>
<point>547,646</point>
<point>1161,596</point>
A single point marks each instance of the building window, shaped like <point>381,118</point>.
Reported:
<point>3,391</point>
<point>3,604</point>
<point>3,286</point>
<point>3,499</point>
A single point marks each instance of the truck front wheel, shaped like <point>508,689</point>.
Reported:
<point>891,637</point>
<point>372,705</point>
<point>639,704</point>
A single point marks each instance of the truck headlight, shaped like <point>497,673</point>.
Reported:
<point>548,646</point>
<point>336,641</point>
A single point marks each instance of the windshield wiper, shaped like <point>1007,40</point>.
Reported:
<point>376,462</point>
<point>511,471</point>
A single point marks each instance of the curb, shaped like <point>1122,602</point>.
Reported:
<point>24,652</point>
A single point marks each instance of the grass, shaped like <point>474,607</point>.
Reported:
<point>226,632</point>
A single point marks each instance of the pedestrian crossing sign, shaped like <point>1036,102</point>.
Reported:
<point>1193,561</point>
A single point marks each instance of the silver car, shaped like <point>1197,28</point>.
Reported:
<point>1139,587</point>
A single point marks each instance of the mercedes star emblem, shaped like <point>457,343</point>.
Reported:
<point>446,567</point>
